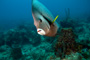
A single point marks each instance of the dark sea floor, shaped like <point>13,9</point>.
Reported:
<point>23,43</point>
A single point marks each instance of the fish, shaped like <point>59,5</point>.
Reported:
<point>43,19</point>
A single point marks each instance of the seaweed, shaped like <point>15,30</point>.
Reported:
<point>67,11</point>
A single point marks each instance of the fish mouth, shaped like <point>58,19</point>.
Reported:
<point>41,31</point>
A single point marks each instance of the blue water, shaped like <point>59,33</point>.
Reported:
<point>14,12</point>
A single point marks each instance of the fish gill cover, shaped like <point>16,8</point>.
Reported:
<point>19,39</point>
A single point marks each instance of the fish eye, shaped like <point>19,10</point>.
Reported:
<point>40,20</point>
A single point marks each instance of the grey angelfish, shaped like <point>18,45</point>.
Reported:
<point>43,19</point>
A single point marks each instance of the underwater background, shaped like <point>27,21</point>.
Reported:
<point>19,39</point>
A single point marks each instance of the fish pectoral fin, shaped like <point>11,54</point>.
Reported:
<point>55,19</point>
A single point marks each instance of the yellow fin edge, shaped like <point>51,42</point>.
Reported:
<point>55,19</point>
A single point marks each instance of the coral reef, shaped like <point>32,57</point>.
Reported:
<point>5,52</point>
<point>16,53</point>
<point>66,43</point>
<point>23,45</point>
<point>72,56</point>
<point>2,39</point>
<point>19,36</point>
<point>37,53</point>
